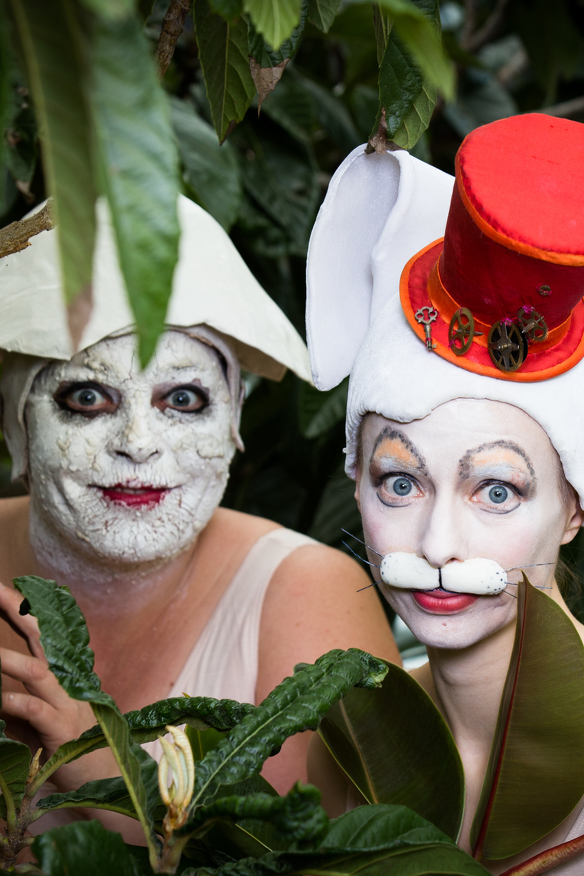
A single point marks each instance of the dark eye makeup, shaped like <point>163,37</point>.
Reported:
<point>86,398</point>
<point>188,399</point>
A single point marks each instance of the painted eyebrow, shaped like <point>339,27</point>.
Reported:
<point>389,434</point>
<point>465,462</point>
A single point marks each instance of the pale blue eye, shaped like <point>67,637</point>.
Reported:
<point>86,397</point>
<point>498,494</point>
<point>182,398</point>
<point>402,486</point>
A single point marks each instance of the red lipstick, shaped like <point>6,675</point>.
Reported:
<point>443,602</point>
<point>134,495</point>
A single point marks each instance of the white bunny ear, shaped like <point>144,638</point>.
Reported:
<point>379,211</point>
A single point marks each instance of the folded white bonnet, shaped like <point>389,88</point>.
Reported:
<point>380,210</point>
<point>215,298</point>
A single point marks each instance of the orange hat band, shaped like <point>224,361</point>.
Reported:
<point>423,296</point>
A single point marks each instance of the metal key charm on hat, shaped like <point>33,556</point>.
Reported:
<point>426,316</point>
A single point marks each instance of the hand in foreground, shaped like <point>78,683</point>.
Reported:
<point>48,709</point>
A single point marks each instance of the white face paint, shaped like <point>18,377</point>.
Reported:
<point>128,466</point>
<point>474,479</point>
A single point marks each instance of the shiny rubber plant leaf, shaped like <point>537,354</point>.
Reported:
<point>223,53</point>
<point>322,13</point>
<point>139,168</point>
<point>396,748</point>
<point>65,641</point>
<point>535,774</point>
<point>56,68</point>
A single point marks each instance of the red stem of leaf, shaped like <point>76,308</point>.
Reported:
<point>478,849</point>
<point>544,861</point>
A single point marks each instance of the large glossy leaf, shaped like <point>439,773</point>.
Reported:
<point>14,765</point>
<point>535,775</point>
<point>139,169</point>
<point>297,704</point>
<point>53,51</point>
<point>223,53</point>
<point>83,849</point>
<point>274,19</point>
<point>332,114</point>
<point>266,63</point>
<point>65,641</point>
<point>337,510</point>
<point>395,746</point>
<point>210,171</point>
<point>373,840</point>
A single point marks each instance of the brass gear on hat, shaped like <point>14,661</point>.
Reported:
<point>461,329</point>
<point>507,346</point>
<point>532,324</point>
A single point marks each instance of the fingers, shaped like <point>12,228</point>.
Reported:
<point>27,626</point>
<point>34,675</point>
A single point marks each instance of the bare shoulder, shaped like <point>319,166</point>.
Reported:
<point>247,527</point>
<point>15,552</point>
<point>327,602</point>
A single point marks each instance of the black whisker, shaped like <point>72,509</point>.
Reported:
<point>530,566</point>
<point>375,584</point>
<point>537,586</point>
<point>362,542</point>
<point>375,566</point>
<point>509,594</point>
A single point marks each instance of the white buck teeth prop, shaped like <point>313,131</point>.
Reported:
<point>480,577</point>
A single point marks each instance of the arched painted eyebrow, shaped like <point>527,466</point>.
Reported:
<point>390,434</point>
<point>465,463</point>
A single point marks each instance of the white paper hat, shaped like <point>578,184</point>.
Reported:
<point>212,286</point>
<point>215,298</point>
<point>380,210</point>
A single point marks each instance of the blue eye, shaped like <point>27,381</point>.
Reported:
<point>85,397</point>
<point>402,486</point>
<point>183,398</point>
<point>498,494</point>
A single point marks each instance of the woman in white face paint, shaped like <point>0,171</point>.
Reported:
<point>126,469</point>
<point>464,420</point>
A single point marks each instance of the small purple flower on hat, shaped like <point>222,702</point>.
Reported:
<point>527,308</point>
<point>507,320</point>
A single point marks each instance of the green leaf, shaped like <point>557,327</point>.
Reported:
<point>111,794</point>
<point>20,143</point>
<point>54,55</point>
<point>318,412</point>
<point>291,106</point>
<point>224,60</point>
<point>14,765</point>
<point>145,725</point>
<point>264,53</point>
<point>395,746</point>
<point>297,704</point>
<point>336,510</point>
<point>370,841</point>
<point>83,849</point>
<point>274,19</point>
<point>322,13</point>
<point>539,734</point>
<point>227,9</point>
<point>202,741</point>
<point>417,119</point>
<point>64,638</point>
<point>139,168</point>
<point>211,171</point>
<point>298,816</point>
<point>111,8</point>
<point>332,114</point>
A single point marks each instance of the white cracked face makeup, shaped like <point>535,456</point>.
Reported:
<point>128,465</point>
<point>473,479</point>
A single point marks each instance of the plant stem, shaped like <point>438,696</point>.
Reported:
<point>15,236</point>
<point>172,27</point>
<point>550,858</point>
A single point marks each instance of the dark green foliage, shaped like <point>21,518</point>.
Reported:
<point>396,747</point>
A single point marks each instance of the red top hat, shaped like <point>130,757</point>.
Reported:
<point>501,293</point>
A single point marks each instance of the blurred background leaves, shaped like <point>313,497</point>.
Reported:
<point>266,182</point>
